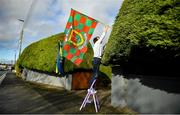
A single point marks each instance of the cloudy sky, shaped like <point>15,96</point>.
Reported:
<point>44,18</point>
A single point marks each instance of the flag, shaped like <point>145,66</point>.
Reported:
<point>78,32</point>
<point>59,60</point>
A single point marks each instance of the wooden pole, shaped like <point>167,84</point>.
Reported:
<point>20,42</point>
<point>104,24</point>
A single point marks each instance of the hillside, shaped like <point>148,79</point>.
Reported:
<point>41,56</point>
<point>146,37</point>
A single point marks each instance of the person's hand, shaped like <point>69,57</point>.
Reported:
<point>106,28</point>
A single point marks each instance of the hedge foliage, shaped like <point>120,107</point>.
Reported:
<point>41,56</point>
<point>148,24</point>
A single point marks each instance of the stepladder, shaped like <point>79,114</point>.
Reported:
<point>91,96</point>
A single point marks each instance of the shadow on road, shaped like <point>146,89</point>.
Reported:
<point>18,96</point>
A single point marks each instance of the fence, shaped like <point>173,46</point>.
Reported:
<point>2,77</point>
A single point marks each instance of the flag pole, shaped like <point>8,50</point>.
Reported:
<point>104,24</point>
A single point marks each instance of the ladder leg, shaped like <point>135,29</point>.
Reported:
<point>86,99</point>
<point>84,102</point>
<point>92,92</point>
<point>97,100</point>
<point>94,98</point>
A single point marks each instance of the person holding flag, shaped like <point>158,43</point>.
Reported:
<point>99,43</point>
<point>78,32</point>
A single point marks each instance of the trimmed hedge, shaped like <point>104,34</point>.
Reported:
<point>148,24</point>
<point>41,56</point>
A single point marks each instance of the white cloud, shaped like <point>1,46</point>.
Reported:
<point>48,17</point>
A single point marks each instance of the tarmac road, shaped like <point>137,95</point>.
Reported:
<point>18,96</point>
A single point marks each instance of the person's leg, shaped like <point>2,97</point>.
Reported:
<point>96,68</point>
<point>96,64</point>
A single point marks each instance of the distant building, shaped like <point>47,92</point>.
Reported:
<point>3,66</point>
<point>9,67</point>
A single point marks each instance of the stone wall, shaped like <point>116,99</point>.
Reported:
<point>43,78</point>
<point>135,93</point>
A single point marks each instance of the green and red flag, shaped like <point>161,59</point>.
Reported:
<point>78,31</point>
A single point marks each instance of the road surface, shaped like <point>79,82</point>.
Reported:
<point>18,96</point>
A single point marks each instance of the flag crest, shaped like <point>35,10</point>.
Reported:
<point>78,32</point>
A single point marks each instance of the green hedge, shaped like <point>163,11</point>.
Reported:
<point>41,56</point>
<point>148,24</point>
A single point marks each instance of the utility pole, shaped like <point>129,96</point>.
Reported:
<point>15,58</point>
<point>21,38</point>
<point>24,24</point>
<point>20,42</point>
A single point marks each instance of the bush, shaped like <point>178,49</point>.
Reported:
<point>41,56</point>
<point>146,24</point>
<point>146,37</point>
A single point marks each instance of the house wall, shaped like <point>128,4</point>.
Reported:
<point>43,78</point>
<point>146,94</point>
<point>75,81</point>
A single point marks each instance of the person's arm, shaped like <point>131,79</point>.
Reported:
<point>103,34</point>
